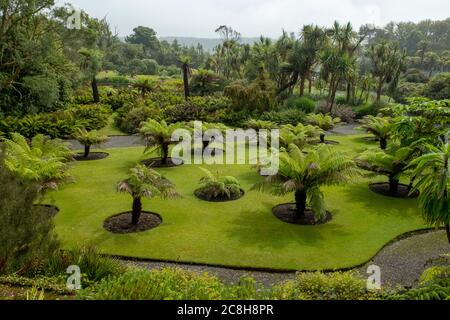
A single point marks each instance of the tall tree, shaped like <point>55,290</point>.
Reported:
<point>388,62</point>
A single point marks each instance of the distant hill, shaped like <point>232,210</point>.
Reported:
<point>208,43</point>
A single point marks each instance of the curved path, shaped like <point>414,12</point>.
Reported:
<point>401,262</point>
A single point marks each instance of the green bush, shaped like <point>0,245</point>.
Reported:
<point>94,267</point>
<point>120,98</point>
<point>407,90</point>
<point>129,120</point>
<point>321,286</point>
<point>26,231</point>
<point>434,285</point>
<point>366,109</point>
<point>304,104</point>
<point>439,87</point>
<point>208,109</point>
<point>32,125</point>
<point>340,100</point>
<point>170,284</point>
<point>91,117</point>
<point>287,116</point>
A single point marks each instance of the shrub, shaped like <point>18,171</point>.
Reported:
<point>408,90</point>
<point>91,117</point>
<point>26,231</point>
<point>287,116</point>
<point>439,87</point>
<point>121,98</point>
<point>93,266</point>
<point>130,122</point>
<point>170,284</point>
<point>434,285</point>
<point>60,124</point>
<point>208,109</point>
<point>219,187</point>
<point>345,113</point>
<point>320,286</point>
<point>367,109</point>
<point>304,104</point>
<point>341,100</point>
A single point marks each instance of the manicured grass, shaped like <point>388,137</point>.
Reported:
<point>243,233</point>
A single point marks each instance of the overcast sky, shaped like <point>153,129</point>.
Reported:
<point>199,18</point>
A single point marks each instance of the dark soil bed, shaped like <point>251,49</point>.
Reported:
<point>286,213</point>
<point>47,209</point>
<point>121,223</point>
<point>199,194</point>
<point>91,157</point>
<point>157,163</point>
<point>383,189</point>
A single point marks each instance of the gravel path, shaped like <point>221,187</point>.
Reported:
<point>113,142</point>
<point>401,262</point>
<point>136,140</point>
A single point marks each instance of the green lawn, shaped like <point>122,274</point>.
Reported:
<point>243,233</point>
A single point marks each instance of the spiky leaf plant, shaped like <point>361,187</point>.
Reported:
<point>217,187</point>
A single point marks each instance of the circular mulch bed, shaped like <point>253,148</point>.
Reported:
<point>383,189</point>
<point>157,163</point>
<point>91,157</point>
<point>47,209</point>
<point>199,194</point>
<point>121,223</point>
<point>286,213</point>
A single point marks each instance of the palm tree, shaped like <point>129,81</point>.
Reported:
<point>42,160</point>
<point>158,136</point>
<point>391,163</point>
<point>145,182</point>
<point>186,69</point>
<point>380,127</point>
<point>388,63</point>
<point>92,61</point>
<point>305,174</point>
<point>216,187</point>
<point>324,121</point>
<point>300,135</point>
<point>432,172</point>
<point>88,139</point>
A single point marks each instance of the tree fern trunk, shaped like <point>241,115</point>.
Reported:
<point>95,93</point>
<point>300,203</point>
<point>137,209</point>
<point>393,185</point>
<point>383,143</point>
<point>87,150</point>
<point>165,153</point>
